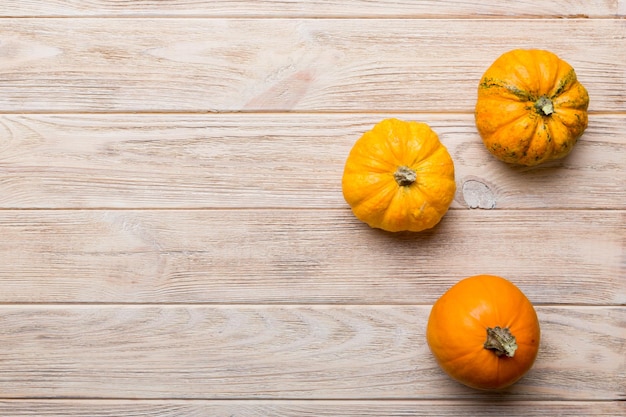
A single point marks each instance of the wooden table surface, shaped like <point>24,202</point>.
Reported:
<point>174,237</point>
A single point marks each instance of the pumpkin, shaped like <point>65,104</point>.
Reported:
<point>399,177</point>
<point>531,108</point>
<point>484,332</point>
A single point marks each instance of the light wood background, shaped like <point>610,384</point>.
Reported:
<point>175,243</point>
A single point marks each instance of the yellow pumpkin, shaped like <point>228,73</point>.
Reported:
<point>399,177</point>
<point>531,108</point>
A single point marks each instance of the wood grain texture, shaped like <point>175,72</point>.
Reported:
<point>313,8</point>
<point>339,65</point>
<point>272,160</point>
<point>304,256</point>
<point>174,238</point>
<point>242,352</point>
<point>319,408</point>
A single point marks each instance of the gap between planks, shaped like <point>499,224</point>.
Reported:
<point>268,305</point>
<point>260,112</point>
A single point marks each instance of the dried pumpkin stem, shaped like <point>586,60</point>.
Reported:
<point>544,106</point>
<point>405,176</point>
<point>501,341</point>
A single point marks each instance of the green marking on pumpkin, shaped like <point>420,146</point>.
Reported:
<point>487,83</point>
<point>567,80</point>
<point>518,93</point>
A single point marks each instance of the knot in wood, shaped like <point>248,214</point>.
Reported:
<point>477,194</point>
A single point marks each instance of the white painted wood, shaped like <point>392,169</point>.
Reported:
<point>273,160</point>
<point>311,8</point>
<point>201,65</point>
<point>241,352</point>
<point>184,263</point>
<point>304,256</point>
<point>299,408</point>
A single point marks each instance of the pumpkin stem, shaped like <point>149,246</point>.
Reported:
<point>544,106</point>
<point>501,341</point>
<point>405,176</point>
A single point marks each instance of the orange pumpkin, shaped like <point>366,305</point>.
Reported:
<point>531,108</point>
<point>399,177</point>
<point>484,332</point>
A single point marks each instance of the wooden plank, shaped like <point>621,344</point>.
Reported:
<point>299,408</point>
<point>312,8</point>
<point>272,160</point>
<point>304,256</point>
<point>287,352</point>
<point>126,65</point>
